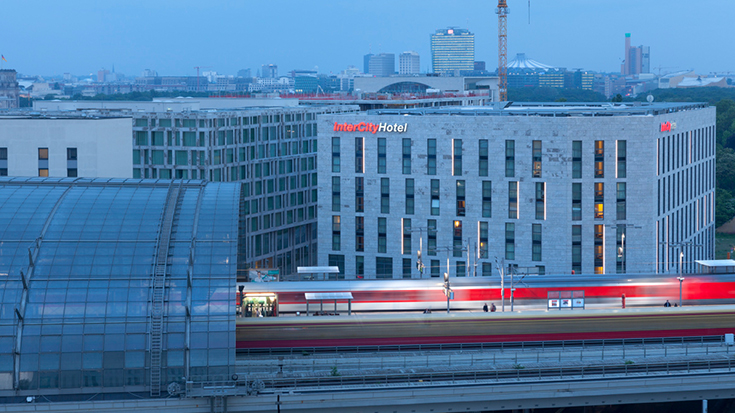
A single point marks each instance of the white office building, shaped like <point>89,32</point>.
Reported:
<point>66,146</point>
<point>544,188</point>
<point>409,63</point>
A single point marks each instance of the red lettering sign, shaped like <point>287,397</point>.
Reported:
<point>666,127</point>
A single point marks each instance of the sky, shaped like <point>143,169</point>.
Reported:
<point>51,37</point>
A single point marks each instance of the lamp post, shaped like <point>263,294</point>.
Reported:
<point>680,278</point>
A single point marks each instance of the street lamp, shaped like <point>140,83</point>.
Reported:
<point>680,278</point>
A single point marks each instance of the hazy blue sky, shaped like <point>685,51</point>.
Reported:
<point>173,36</point>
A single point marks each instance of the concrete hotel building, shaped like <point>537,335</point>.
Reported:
<point>548,188</point>
<point>452,49</point>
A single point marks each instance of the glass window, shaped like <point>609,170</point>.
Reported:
<point>406,156</point>
<point>43,154</point>
<point>483,165</point>
<point>457,157</point>
<point>382,155</point>
<point>431,157</point>
<point>71,154</point>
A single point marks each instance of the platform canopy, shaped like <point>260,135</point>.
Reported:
<point>716,266</point>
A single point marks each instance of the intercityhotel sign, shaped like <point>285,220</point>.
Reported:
<point>370,127</point>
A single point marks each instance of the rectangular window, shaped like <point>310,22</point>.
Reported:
<point>406,156</point>
<point>339,262</point>
<point>406,235</point>
<point>461,269</point>
<point>335,154</point>
<point>43,172</point>
<point>43,154</point>
<point>576,159</point>
<point>483,165</point>
<point>487,269</point>
<point>487,199</point>
<point>3,154</point>
<point>576,249</point>
<point>540,200</point>
<point>536,242</point>
<point>141,138</point>
<point>460,199</point>
<point>359,155</point>
<point>359,233</point>
<point>457,239</point>
<point>483,240</point>
<point>383,267</point>
<point>409,196</point>
<point>71,172</point>
<point>382,159</point>
<point>4,171</point>
<point>182,157</point>
<point>382,235</point>
<point>621,210</point>
<point>359,194</point>
<point>360,266</point>
<point>336,194</point>
<point>336,233</point>
<point>434,197</point>
<point>431,157</point>
<point>385,195</point>
<point>435,269</point>
<point>576,202</point>
<point>621,167</point>
<point>599,249</point>
<point>510,241</point>
<point>71,154</point>
<point>599,200</point>
<point>431,236</point>
<point>599,159</point>
<point>457,157</point>
<point>536,159</point>
<point>513,200</point>
<point>406,268</point>
<point>510,158</point>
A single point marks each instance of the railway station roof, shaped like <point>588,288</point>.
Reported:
<point>78,258</point>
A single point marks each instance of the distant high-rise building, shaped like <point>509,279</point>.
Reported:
<point>452,49</point>
<point>383,64</point>
<point>480,65</point>
<point>244,73</point>
<point>149,73</point>
<point>366,63</point>
<point>9,89</point>
<point>637,59</point>
<point>269,71</point>
<point>409,63</point>
<point>102,74</point>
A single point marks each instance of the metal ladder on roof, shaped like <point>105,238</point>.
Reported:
<point>159,288</point>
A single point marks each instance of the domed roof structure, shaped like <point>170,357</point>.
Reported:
<point>523,63</point>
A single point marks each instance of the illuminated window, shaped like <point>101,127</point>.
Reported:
<point>599,159</point>
<point>599,200</point>
<point>599,249</point>
<point>336,233</point>
<point>43,154</point>
<point>536,159</point>
<point>43,172</point>
<point>457,239</point>
<point>460,199</point>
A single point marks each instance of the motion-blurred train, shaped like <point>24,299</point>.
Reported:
<point>442,328</point>
<point>471,293</point>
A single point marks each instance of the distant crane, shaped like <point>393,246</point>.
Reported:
<point>197,68</point>
<point>502,12</point>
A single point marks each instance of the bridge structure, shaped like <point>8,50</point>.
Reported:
<point>454,378</point>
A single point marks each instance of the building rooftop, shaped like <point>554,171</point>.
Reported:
<point>555,109</point>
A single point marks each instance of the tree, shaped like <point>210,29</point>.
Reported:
<point>617,98</point>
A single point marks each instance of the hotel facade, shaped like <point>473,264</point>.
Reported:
<point>544,188</point>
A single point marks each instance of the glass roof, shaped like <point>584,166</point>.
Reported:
<point>86,249</point>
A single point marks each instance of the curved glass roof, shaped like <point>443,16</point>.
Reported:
<point>77,261</point>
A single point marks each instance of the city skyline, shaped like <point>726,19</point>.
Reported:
<point>174,37</point>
